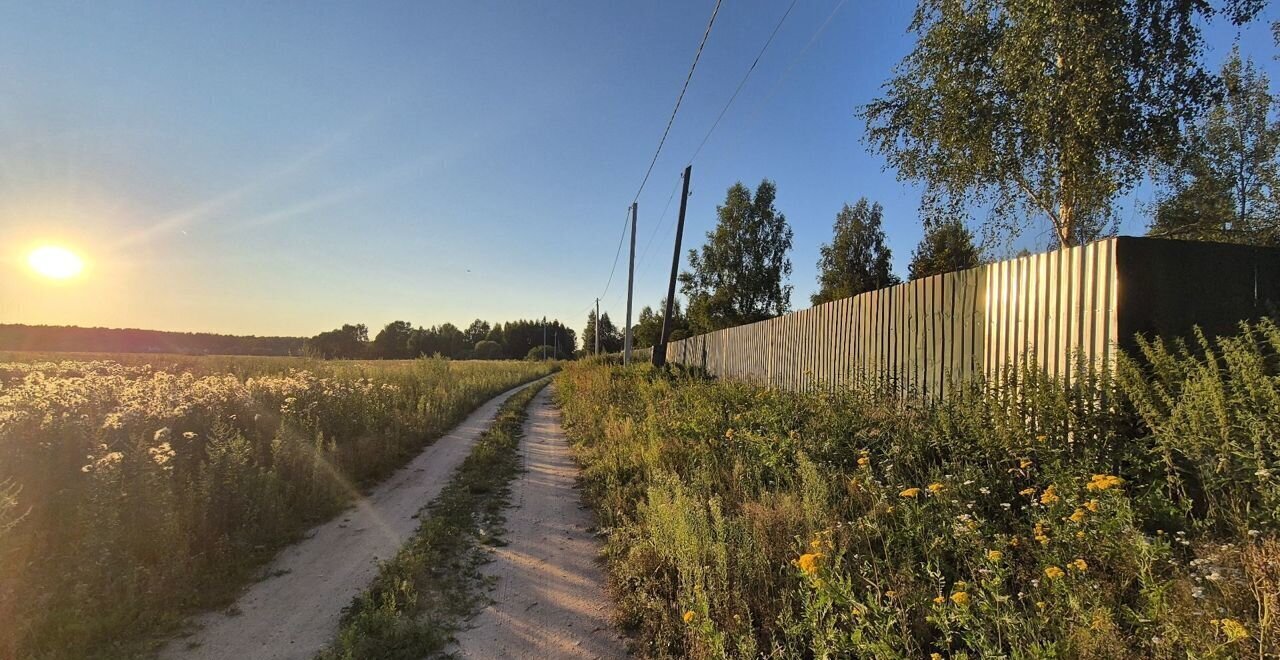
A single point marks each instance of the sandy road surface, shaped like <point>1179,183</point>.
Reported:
<point>550,597</point>
<point>295,613</point>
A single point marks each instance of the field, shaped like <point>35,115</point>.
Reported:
<point>136,489</point>
<point>1131,518</point>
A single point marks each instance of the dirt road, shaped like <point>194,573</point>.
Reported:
<point>295,613</point>
<point>549,598</point>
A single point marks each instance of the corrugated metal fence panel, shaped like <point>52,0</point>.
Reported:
<point>929,334</point>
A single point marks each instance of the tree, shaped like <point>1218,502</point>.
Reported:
<point>392,342</point>
<point>648,330</point>
<point>497,335</point>
<point>947,246</point>
<point>487,350</point>
<point>610,335</point>
<point>738,277</point>
<point>349,341</point>
<point>477,332</point>
<point>1223,185</point>
<point>1044,107</point>
<point>857,259</point>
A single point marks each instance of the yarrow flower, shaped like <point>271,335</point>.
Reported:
<point>1104,481</point>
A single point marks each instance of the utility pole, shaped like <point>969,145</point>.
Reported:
<point>631,280</point>
<point>660,351</point>
<point>597,326</point>
<point>555,343</point>
<point>544,339</point>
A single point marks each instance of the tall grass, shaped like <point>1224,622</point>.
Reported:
<point>130,495</point>
<point>1131,518</point>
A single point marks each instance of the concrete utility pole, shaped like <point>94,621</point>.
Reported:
<point>631,281</point>
<point>597,326</point>
<point>660,351</point>
<point>544,339</point>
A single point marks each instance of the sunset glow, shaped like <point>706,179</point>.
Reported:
<point>55,262</point>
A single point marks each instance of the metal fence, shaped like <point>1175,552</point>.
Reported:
<point>1083,303</point>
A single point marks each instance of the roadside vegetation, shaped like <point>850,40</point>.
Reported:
<point>1131,518</point>
<point>132,495</point>
<point>422,595</point>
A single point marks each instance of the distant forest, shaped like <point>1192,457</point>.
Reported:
<point>18,337</point>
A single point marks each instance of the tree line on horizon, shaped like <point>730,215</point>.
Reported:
<point>398,340</point>
<point>68,338</point>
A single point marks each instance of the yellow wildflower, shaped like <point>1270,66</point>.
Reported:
<point>1042,437</point>
<point>1234,630</point>
<point>1025,463</point>
<point>939,600</point>
<point>910,492</point>
<point>1092,505</point>
<point>1104,481</point>
<point>935,656</point>
<point>1015,542</point>
<point>688,616</point>
<point>728,435</point>
<point>935,488</point>
<point>808,562</point>
<point>995,555</point>
<point>1079,565</point>
<point>1040,534</point>
<point>1078,516</point>
<point>960,598</point>
<point>1050,495</point>
<point>863,461</point>
<point>1079,535</point>
<point>1041,604</point>
<point>891,594</point>
<point>1053,572</point>
<point>1027,491</point>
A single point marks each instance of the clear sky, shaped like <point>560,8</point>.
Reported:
<point>283,168</point>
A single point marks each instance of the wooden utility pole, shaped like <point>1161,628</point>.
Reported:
<point>660,350</point>
<point>597,326</point>
<point>544,339</point>
<point>631,281</point>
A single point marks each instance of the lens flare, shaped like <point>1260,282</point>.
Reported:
<point>55,262</point>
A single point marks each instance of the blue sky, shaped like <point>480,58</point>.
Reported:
<point>282,168</point>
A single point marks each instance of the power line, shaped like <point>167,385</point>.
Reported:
<point>743,82</point>
<point>672,119</point>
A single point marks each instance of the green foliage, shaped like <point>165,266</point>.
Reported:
<point>1041,521</point>
<point>393,341</point>
<point>739,275</point>
<point>488,350</point>
<point>425,593</point>
<point>610,335</point>
<point>1223,184</point>
<point>856,260</point>
<point>648,331</point>
<point>347,342</point>
<point>131,496</point>
<point>1044,108</point>
<point>947,247</point>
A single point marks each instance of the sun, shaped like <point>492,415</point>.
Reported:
<point>55,262</point>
